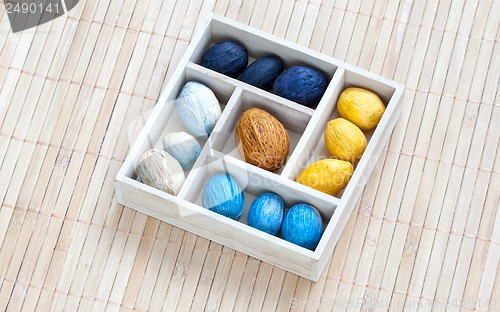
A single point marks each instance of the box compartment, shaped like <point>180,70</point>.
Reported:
<point>293,118</point>
<point>314,148</point>
<point>260,44</point>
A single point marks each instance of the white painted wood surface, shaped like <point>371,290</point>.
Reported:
<point>218,155</point>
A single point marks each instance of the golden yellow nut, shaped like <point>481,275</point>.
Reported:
<point>344,140</point>
<point>361,107</point>
<point>328,175</point>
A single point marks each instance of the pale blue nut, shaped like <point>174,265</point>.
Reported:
<point>183,147</point>
<point>198,108</point>
<point>223,195</point>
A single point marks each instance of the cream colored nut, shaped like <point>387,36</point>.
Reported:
<point>160,170</point>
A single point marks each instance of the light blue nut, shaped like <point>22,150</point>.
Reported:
<point>198,108</point>
<point>222,194</point>
<point>183,147</point>
<point>302,226</point>
<point>266,213</point>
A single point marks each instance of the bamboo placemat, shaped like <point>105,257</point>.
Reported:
<point>425,234</point>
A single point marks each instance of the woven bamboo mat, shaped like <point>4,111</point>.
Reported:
<point>425,234</point>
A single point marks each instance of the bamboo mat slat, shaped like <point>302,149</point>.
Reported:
<point>75,92</point>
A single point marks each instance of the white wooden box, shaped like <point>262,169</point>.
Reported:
<point>305,126</point>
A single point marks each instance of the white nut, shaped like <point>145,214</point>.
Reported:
<point>160,170</point>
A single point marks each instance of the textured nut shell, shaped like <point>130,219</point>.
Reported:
<point>301,84</point>
<point>160,170</point>
<point>198,108</point>
<point>361,107</point>
<point>344,140</point>
<point>328,175</point>
<point>222,194</point>
<point>183,147</point>
<point>262,140</point>
<point>263,72</point>
<point>226,57</point>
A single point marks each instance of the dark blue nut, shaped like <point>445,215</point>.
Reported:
<point>266,213</point>
<point>222,194</point>
<point>301,84</point>
<point>263,72</point>
<point>302,226</point>
<point>227,57</point>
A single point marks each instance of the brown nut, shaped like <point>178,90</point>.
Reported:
<point>262,140</point>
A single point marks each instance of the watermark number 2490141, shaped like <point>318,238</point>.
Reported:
<point>25,14</point>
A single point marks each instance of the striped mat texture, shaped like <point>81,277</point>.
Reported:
<point>424,236</point>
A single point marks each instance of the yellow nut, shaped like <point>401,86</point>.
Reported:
<point>344,140</point>
<point>361,107</point>
<point>328,175</point>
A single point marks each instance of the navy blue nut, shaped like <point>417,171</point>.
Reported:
<point>301,84</point>
<point>263,72</point>
<point>227,57</point>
